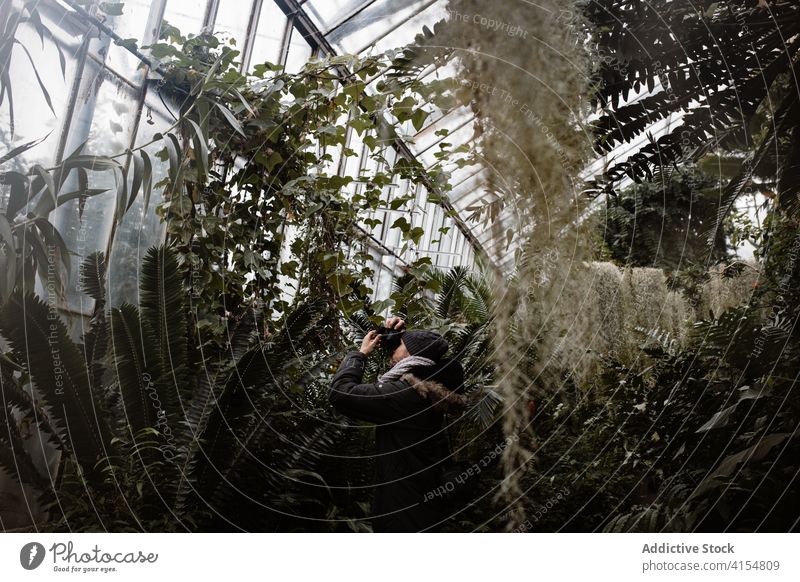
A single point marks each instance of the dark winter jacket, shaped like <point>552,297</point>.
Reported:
<point>410,441</point>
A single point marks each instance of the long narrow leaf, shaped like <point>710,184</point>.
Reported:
<point>231,118</point>
<point>5,89</point>
<point>44,90</point>
<point>138,170</point>
<point>53,239</point>
<point>48,181</point>
<point>80,194</point>
<point>121,176</point>
<point>147,180</point>
<point>200,149</point>
<point>174,153</point>
<point>23,148</point>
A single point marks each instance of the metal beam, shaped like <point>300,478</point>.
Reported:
<point>314,36</point>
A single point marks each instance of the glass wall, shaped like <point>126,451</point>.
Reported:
<point>103,96</point>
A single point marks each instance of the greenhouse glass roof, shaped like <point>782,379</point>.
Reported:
<point>291,31</point>
<point>126,112</point>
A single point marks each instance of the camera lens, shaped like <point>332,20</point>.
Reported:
<point>390,338</point>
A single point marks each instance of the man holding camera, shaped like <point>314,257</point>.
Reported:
<point>407,404</point>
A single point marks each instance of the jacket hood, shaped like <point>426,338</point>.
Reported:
<point>438,394</point>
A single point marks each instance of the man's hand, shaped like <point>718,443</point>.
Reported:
<point>395,323</point>
<point>371,340</point>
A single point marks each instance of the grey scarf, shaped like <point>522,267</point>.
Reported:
<point>405,365</point>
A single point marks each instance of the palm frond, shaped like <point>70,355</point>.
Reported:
<point>135,361</point>
<point>163,311</point>
<point>56,366</point>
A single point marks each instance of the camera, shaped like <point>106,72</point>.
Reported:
<point>390,338</point>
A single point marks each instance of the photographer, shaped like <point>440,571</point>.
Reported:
<point>407,404</point>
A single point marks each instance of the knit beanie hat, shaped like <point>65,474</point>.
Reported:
<point>427,344</point>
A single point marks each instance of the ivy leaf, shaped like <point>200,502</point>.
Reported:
<point>354,90</point>
<point>382,305</point>
<point>418,119</point>
<point>397,203</point>
<point>361,123</point>
<point>273,160</point>
<point>404,109</point>
<point>289,268</point>
<point>371,142</point>
<point>402,224</point>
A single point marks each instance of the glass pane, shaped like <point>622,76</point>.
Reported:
<point>426,138</point>
<point>459,175</point>
<point>130,24</point>
<point>373,22</point>
<point>109,115</point>
<point>138,230</point>
<point>186,15</point>
<point>232,19</point>
<point>269,34</point>
<point>461,136</point>
<point>299,52</point>
<point>383,285</point>
<point>405,33</point>
<point>476,196</point>
<point>328,13</point>
<point>33,118</point>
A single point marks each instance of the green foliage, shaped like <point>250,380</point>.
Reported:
<point>205,407</point>
<point>12,16</point>
<point>194,390</point>
<point>199,444</point>
<point>664,225</point>
<point>55,365</point>
<point>749,107</point>
<point>29,242</point>
<point>260,163</point>
<point>699,440</point>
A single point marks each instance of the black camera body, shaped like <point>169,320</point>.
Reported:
<point>390,338</point>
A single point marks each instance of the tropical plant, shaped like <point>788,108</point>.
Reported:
<point>156,430</point>
<point>664,225</point>
<point>187,404</point>
<point>700,439</point>
<point>722,67</point>
<point>30,242</point>
<point>261,162</point>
